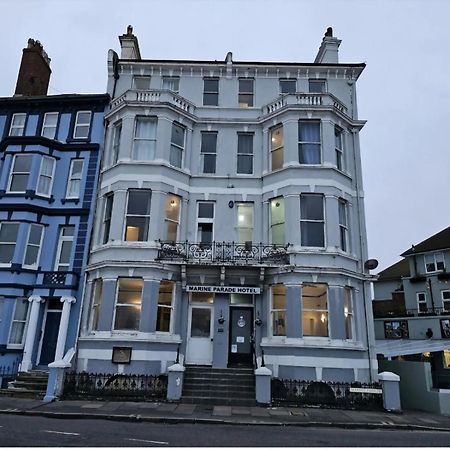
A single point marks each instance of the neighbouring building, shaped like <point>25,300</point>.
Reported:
<point>411,307</point>
<point>230,223</point>
<point>50,159</point>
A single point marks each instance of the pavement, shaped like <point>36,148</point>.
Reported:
<point>239,415</point>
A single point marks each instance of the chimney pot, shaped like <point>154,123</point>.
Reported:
<point>130,30</point>
<point>329,32</point>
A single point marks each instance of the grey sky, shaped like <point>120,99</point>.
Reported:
<point>403,93</point>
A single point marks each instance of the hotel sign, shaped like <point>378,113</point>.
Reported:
<point>224,289</point>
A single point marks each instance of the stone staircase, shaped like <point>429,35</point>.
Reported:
<point>205,385</point>
<point>32,384</point>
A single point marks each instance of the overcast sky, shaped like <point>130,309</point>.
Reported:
<point>403,93</point>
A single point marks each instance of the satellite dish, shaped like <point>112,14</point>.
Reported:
<point>371,264</point>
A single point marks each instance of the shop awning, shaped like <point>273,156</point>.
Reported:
<point>399,347</point>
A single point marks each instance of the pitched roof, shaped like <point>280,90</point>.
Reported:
<point>397,270</point>
<point>439,241</point>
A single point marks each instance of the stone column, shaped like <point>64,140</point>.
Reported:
<point>30,338</point>
<point>63,327</point>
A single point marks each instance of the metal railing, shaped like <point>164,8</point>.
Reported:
<point>411,312</point>
<point>247,253</point>
<point>102,385</point>
<point>329,394</point>
<point>8,373</point>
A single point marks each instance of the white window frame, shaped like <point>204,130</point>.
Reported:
<point>252,93</point>
<point>325,312</point>
<point>316,143</point>
<point>83,124</point>
<point>97,293</point>
<point>349,313</point>
<point>339,147</point>
<point>171,79</point>
<point>171,308</point>
<point>33,266</point>
<point>13,320</point>
<point>147,216</point>
<point>201,220</point>
<point>54,127</point>
<point>17,127</point>
<point>12,173</point>
<point>151,141</point>
<point>204,152</point>
<point>62,239</point>
<point>343,227</point>
<point>52,177</point>
<point>115,145</point>
<point>436,261</point>
<point>307,220</point>
<point>182,148</point>
<point>109,195</point>
<point>122,305</point>
<point>273,149</point>
<point>289,80</point>
<point>245,155</point>
<point>72,178</point>
<point>445,293</point>
<point>142,77</point>
<point>10,243</point>
<point>277,310</point>
<point>238,228</point>
<point>421,298</point>
<point>273,224</point>
<point>168,220</point>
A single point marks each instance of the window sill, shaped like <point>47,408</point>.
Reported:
<point>312,342</point>
<point>131,336</point>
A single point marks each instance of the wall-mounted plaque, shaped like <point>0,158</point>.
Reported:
<point>121,355</point>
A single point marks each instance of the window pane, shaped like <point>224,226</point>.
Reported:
<point>205,232</point>
<point>8,232</point>
<point>314,310</point>
<point>139,202</point>
<point>145,128</point>
<point>77,167</point>
<point>44,185</point>
<point>288,86</point>
<point>278,234</point>
<point>84,118</point>
<point>50,119</point>
<point>21,309</point>
<point>172,207</point>
<point>276,137</point>
<point>22,163</point>
<point>312,234</point>
<point>309,131</point>
<point>211,85</point>
<point>309,154</point>
<point>6,253</point>
<point>245,164</point>
<point>277,210</point>
<point>165,293</point>
<point>18,120</point>
<point>177,135</point>
<point>209,163</point>
<point>311,207</point>
<point>136,229</point>
<point>245,100</point>
<point>68,230</point>
<point>17,331</point>
<point>209,142</point>
<point>82,131</point>
<point>73,189</point>
<point>66,249</point>
<point>130,290</point>
<point>277,159</point>
<point>245,86</point>
<point>245,143</point>
<point>163,319</point>
<point>35,234</point>
<point>171,84</point>
<point>31,256</point>
<point>245,216</point>
<point>142,83</point>
<point>172,229</point>
<point>176,156</point>
<point>206,210</point>
<point>201,322</point>
<point>127,317</point>
<point>316,86</point>
<point>210,99</point>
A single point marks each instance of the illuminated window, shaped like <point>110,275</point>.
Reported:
<point>278,310</point>
<point>277,220</point>
<point>138,215</point>
<point>128,304</point>
<point>315,310</point>
<point>173,203</point>
<point>277,147</point>
<point>165,300</point>
<point>244,222</point>
<point>246,92</point>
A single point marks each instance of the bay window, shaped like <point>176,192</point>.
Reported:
<point>128,303</point>
<point>173,203</point>
<point>176,145</point>
<point>315,310</point>
<point>277,220</point>
<point>277,147</point>
<point>144,143</point>
<point>312,221</point>
<point>309,142</point>
<point>138,215</point>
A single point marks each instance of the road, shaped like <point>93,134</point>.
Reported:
<point>26,431</point>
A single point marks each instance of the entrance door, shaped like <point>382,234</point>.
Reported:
<point>241,330</point>
<point>50,331</point>
<point>200,332</point>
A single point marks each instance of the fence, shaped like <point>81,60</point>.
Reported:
<point>126,386</point>
<point>8,373</point>
<point>328,394</point>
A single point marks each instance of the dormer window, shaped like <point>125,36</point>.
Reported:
<point>434,262</point>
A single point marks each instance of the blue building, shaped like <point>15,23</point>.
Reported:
<point>50,157</point>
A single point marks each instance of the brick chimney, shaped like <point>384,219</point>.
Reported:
<point>329,49</point>
<point>129,45</point>
<point>34,72</point>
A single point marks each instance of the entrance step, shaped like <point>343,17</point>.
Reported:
<point>231,386</point>
<point>32,384</point>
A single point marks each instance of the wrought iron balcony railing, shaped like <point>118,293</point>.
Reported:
<point>58,279</point>
<point>248,253</point>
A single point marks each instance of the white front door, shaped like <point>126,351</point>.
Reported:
<point>200,332</point>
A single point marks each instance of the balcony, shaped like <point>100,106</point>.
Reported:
<point>152,97</point>
<point>55,280</point>
<point>313,100</point>
<point>224,253</point>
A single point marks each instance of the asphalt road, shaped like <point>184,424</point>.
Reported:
<point>25,431</point>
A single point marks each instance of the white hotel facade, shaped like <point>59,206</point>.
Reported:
<point>230,219</point>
